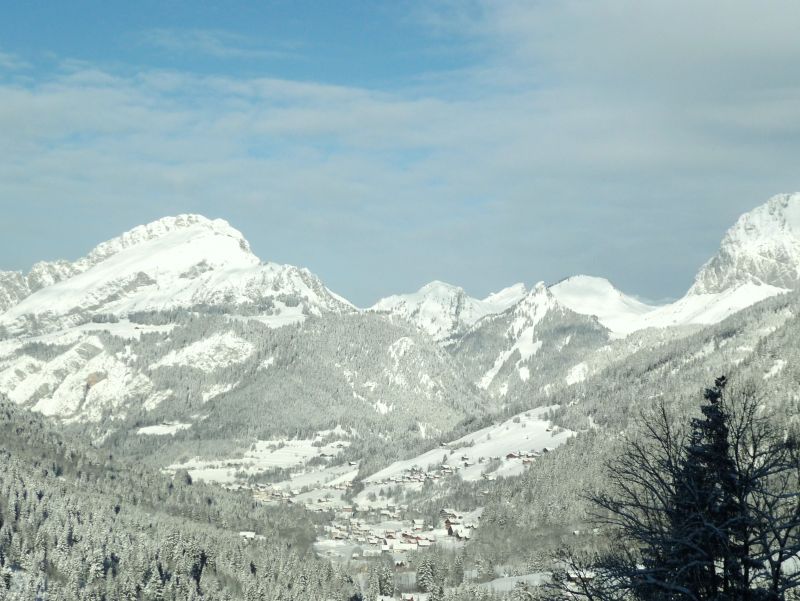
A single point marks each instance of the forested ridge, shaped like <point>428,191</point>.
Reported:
<point>77,525</point>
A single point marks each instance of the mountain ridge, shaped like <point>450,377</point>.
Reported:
<point>762,247</point>
<point>174,262</point>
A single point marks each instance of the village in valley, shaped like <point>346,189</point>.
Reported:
<point>377,518</point>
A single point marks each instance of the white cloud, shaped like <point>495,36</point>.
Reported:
<point>616,136</point>
<point>213,43</point>
<point>11,62</point>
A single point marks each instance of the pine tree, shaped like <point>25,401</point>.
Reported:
<point>711,515</point>
<point>426,579</point>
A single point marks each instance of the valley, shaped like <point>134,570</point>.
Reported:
<point>431,429</point>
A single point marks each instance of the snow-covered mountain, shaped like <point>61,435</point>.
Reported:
<point>14,286</point>
<point>623,314</point>
<point>587,295</point>
<point>445,311</point>
<point>535,342</point>
<point>339,368</point>
<point>763,247</point>
<point>176,262</point>
<point>759,257</point>
<point>123,331</point>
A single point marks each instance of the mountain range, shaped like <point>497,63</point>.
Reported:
<point>177,321</point>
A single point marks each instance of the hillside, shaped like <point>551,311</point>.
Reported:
<point>78,523</point>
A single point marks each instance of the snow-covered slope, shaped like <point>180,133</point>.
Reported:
<point>623,315</point>
<point>530,344</point>
<point>184,261</point>
<point>588,295</point>
<point>444,311</point>
<point>707,309</point>
<point>762,247</point>
<point>75,379</point>
<point>759,257</point>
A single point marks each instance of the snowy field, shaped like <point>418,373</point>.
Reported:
<point>163,429</point>
<point>481,454</point>
<point>262,456</point>
<point>526,432</point>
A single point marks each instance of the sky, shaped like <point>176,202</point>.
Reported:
<point>387,144</point>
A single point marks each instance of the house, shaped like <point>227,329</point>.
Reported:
<point>460,532</point>
<point>249,535</point>
<point>451,522</point>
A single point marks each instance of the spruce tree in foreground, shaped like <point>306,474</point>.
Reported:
<point>712,514</point>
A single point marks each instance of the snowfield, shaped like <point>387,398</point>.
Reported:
<point>262,456</point>
<point>182,261</point>
<point>623,315</point>
<point>218,351</point>
<point>481,454</point>
<point>163,429</point>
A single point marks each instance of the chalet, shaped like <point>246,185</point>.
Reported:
<point>405,546</point>
<point>452,522</point>
<point>512,455</point>
<point>460,532</point>
<point>247,534</point>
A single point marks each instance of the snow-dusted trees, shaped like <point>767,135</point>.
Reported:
<point>712,514</point>
<point>94,529</point>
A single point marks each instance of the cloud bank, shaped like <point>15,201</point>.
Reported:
<point>618,138</point>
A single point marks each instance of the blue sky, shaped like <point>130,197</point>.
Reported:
<point>387,144</point>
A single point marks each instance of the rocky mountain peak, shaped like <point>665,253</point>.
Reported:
<point>762,247</point>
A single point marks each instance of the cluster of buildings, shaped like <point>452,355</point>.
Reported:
<point>397,537</point>
<point>417,474</point>
<point>455,524</point>
<point>527,456</point>
<point>376,539</point>
<point>267,493</point>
